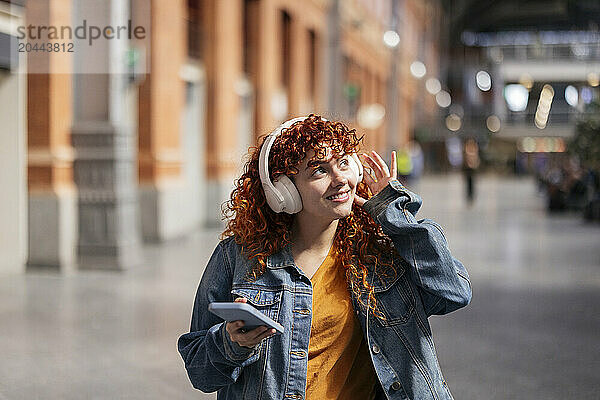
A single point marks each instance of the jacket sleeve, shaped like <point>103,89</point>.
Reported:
<point>212,360</point>
<point>442,280</point>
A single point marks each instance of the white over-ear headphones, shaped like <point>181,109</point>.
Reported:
<point>281,194</point>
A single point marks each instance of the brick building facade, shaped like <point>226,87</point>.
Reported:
<point>113,160</point>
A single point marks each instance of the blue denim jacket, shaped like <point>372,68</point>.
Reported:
<point>427,280</point>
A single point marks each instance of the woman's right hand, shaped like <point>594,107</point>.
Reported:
<point>243,338</point>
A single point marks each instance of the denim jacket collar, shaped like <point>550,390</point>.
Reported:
<point>386,277</point>
<point>281,259</point>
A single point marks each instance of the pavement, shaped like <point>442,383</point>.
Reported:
<point>532,330</point>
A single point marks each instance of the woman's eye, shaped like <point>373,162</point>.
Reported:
<point>344,161</point>
<point>316,171</point>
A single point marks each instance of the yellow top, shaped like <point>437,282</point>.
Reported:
<point>339,364</point>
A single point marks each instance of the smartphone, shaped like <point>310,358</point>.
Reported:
<point>244,312</point>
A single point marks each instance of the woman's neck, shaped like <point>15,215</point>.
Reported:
<point>308,234</point>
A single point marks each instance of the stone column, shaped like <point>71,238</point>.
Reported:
<point>163,189</point>
<point>224,71</point>
<point>52,197</point>
<point>13,147</point>
<point>320,98</point>
<point>300,102</point>
<point>335,60</point>
<point>104,139</point>
<point>269,89</point>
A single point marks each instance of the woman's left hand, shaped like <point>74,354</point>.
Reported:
<point>383,174</point>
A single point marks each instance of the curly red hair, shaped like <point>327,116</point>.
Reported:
<point>261,232</point>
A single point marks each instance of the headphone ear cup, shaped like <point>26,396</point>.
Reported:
<point>292,201</point>
<point>272,199</point>
<point>357,167</point>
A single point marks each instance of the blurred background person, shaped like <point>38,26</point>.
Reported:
<point>471,163</point>
<point>405,164</point>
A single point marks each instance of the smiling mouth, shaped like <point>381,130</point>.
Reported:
<point>340,197</point>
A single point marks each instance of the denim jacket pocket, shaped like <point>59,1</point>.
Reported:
<point>266,301</point>
<point>396,301</point>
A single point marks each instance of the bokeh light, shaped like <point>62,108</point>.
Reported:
<point>493,123</point>
<point>370,116</point>
<point>587,95</point>
<point>443,99</point>
<point>453,122</point>
<point>516,96</point>
<point>433,85</point>
<point>527,81</point>
<point>544,104</point>
<point>571,96</point>
<point>484,81</point>
<point>391,39</point>
<point>418,69</point>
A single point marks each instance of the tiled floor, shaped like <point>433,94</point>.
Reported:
<point>532,330</point>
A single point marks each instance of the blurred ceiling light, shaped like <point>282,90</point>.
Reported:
<point>484,81</point>
<point>527,145</point>
<point>516,96</point>
<point>540,121</point>
<point>580,50</point>
<point>547,91</point>
<point>527,38</point>
<point>496,54</point>
<point>587,95</point>
<point>370,116</point>
<point>540,124</point>
<point>469,38</point>
<point>493,123</point>
<point>542,145</point>
<point>593,79</point>
<point>453,122</point>
<point>544,105</point>
<point>433,85</point>
<point>527,81</point>
<point>418,69</point>
<point>571,96</point>
<point>391,39</point>
<point>443,98</point>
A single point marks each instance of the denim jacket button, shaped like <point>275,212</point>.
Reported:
<point>396,385</point>
<point>375,349</point>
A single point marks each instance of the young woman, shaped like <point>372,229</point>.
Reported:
<point>335,255</point>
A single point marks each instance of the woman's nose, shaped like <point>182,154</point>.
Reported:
<point>339,176</point>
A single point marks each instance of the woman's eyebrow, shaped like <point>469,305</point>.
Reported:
<point>314,163</point>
